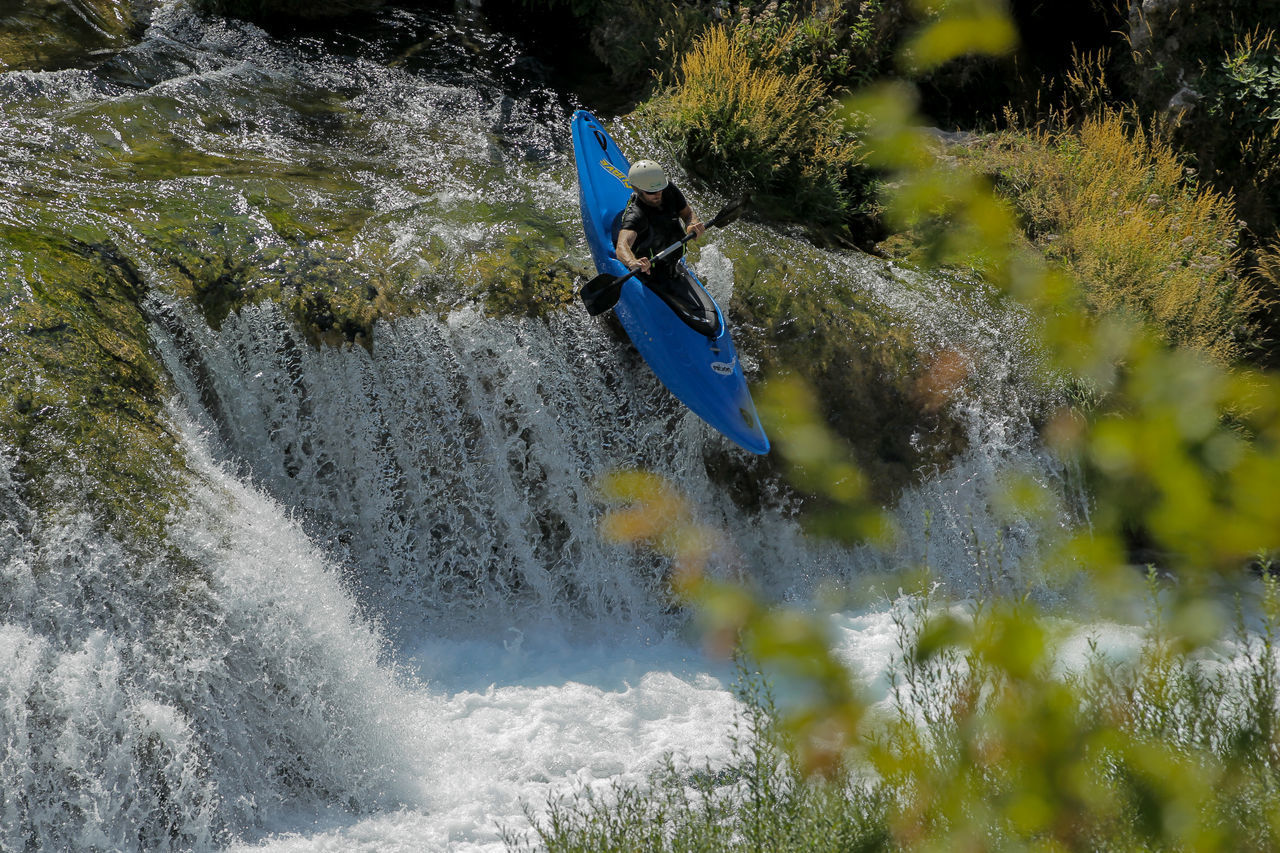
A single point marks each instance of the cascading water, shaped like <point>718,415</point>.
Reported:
<point>384,617</point>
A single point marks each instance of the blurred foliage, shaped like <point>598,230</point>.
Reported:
<point>1176,440</point>
<point>743,123</point>
<point>988,743</point>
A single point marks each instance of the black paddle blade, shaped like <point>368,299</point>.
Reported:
<point>730,212</point>
<point>601,293</point>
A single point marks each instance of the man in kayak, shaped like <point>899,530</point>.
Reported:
<point>657,216</point>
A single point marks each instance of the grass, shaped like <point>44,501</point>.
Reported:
<point>739,121</point>
<point>1114,205</point>
<point>987,742</point>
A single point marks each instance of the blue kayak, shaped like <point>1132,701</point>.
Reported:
<point>682,334</point>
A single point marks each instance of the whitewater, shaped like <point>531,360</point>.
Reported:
<point>383,618</point>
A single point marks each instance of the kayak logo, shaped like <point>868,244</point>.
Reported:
<point>724,368</point>
<point>615,171</point>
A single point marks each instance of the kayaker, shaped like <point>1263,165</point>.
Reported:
<point>656,216</point>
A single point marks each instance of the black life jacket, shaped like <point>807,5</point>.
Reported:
<point>656,227</point>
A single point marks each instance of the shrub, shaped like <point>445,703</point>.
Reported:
<point>740,122</point>
<point>1113,204</point>
<point>1210,69</point>
<point>848,44</point>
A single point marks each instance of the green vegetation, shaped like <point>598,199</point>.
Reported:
<point>994,736</point>
<point>739,122</point>
<point>846,44</point>
<point>1112,205</point>
<point>636,38</point>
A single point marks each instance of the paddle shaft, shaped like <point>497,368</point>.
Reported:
<point>660,256</point>
<point>602,292</point>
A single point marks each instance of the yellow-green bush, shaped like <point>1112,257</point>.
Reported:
<point>1113,204</point>
<point>741,123</point>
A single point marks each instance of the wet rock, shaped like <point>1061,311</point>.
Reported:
<point>41,35</point>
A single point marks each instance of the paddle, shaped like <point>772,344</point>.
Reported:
<point>602,292</point>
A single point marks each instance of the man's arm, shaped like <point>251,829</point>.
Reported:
<point>691,222</point>
<point>627,240</point>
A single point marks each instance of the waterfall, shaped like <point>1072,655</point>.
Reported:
<point>382,616</point>
<point>160,701</point>
<point>452,469</point>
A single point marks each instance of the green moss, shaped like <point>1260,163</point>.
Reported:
<point>51,34</point>
<point>82,393</point>
<point>798,318</point>
<point>526,274</point>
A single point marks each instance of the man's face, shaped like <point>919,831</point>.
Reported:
<point>651,199</point>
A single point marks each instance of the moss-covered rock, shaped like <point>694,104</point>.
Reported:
<point>334,290</point>
<point>526,273</point>
<point>50,34</point>
<point>81,392</point>
<point>873,381</point>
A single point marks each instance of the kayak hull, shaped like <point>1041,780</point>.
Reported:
<point>702,372</point>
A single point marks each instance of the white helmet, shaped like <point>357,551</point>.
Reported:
<point>648,176</point>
